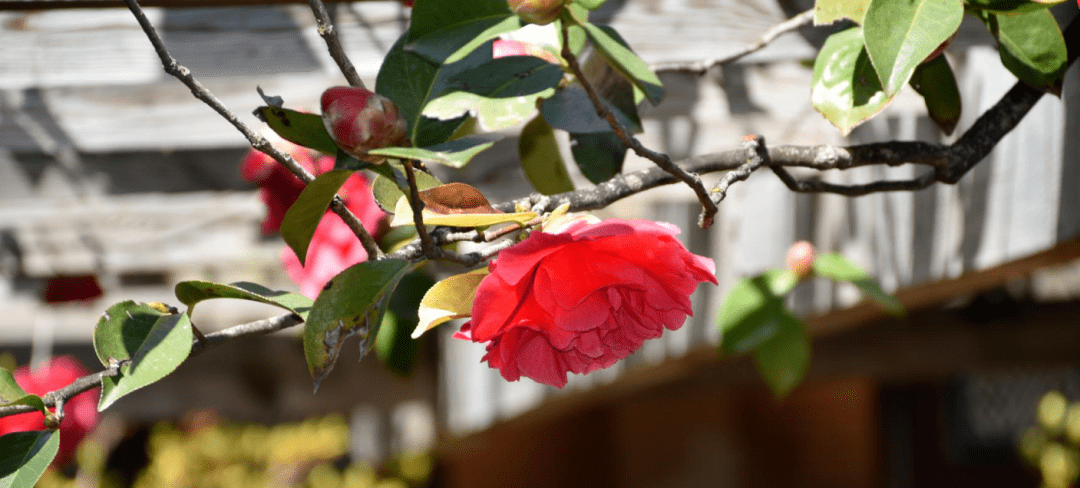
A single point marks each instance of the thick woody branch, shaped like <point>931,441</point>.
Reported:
<point>91,381</point>
<point>663,161</point>
<point>333,44</point>
<point>257,141</point>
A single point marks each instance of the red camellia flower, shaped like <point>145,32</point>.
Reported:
<point>583,298</point>
<point>80,412</point>
<point>279,188</point>
<point>359,120</point>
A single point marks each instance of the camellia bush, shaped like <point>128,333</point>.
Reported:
<point>553,290</point>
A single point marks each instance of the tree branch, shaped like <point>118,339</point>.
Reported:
<point>702,67</point>
<point>257,141</point>
<point>660,159</point>
<point>333,44</point>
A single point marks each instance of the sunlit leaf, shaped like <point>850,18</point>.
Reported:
<point>192,292</point>
<point>452,44</point>
<point>456,153</point>
<point>836,267</point>
<point>149,343</point>
<point>829,11</point>
<point>24,457</point>
<point>403,216</point>
<point>491,114</point>
<point>351,304</point>
<point>845,88</point>
<point>540,159</point>
<point>449,299</point>
<point>1011,6</point>
<point>1032,47</point>
<point>299,128</point>
<point>303,217</point>
<point>387,192</point>
<point>901,34</point>
<point>934,80</point>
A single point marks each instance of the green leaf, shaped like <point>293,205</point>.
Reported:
<point>431,16</point>
<point>298,225</point>
<point>393,345</point>
<point>845,88</point>
<point>456,153</point>
<point>191,292</point>
<point>449,299</point>
<point>352,303</point>
<point>599,155</point>
<point>453,44</point>
<point>541,160</point>
<point>1032,47</point>
<point>24,457</point>
<point>13,394</point>
<point>491,114</point>
<point>387,193</point>
<point>901,34</point>
<point>344,161</point>
<point>934,80</point>
<point>570,109</point>
<point>753,310</point>
<point>1011,6</point>
<point>590,4</point>
<point>299,128</point>
<point>829,11</point>
<point>619,56</point>
<point>511,76</point>
<point>836,267</point>
<point>149,342</point>
<point>410,81</point>
<point>403,216</point>
<point>784,358</point>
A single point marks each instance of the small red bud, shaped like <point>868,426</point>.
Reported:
<point>359,120</point>
<point>800,258</point>
<point>540,12</point>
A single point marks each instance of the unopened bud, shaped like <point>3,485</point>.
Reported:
<point>800,258</point>
<point>540,12</point>
<point>507,47</point>
<point>359,120</point>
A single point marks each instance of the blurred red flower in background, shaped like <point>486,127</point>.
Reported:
<point>80,412</point>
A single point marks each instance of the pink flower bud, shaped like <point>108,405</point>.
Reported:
<point>540,12</point>
<point>359,121</point>
<point>800,258</point>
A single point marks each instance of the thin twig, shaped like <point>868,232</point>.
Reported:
<point>257,141</point>
<point>333,44</point>
<point>426,244</point>
<point>662,160</point>
<point>754,148</point>
<point>858,190</point>
<point>702,67</point>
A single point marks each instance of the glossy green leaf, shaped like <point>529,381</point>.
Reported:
<point>24,457</point>
<point>1032,47</point>
<point>192,292</point>
<point>619,56</point>
<point>13,394</point>
<point>1011,6</point>
<point>491,114</point>
<point>394,346</point>
<point>934,80</point>
<point>511,76</point>
<point>432,16</point>
<point>456,153</point>
<point>599,155</point>
<point>829,11</point>
<point>449,299</point>
<point>570,109</point>
<point>351,304</point>
<point>845,87</point>
<point>403,216</point>
<point>299,128</point>
<point>541,160</point>
<point>411,81</point>
<point>298,225</point>
<point>344,161</point>
<point>753,309</point>
<point>836,267</point>
<point>387,192</point>
<point>783,359</point>
<point>901,34</point>
<point>150,343</point>
<point>453,44</point>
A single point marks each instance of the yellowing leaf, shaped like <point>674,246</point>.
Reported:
<point>449,299</point>
<point>403,216</point>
